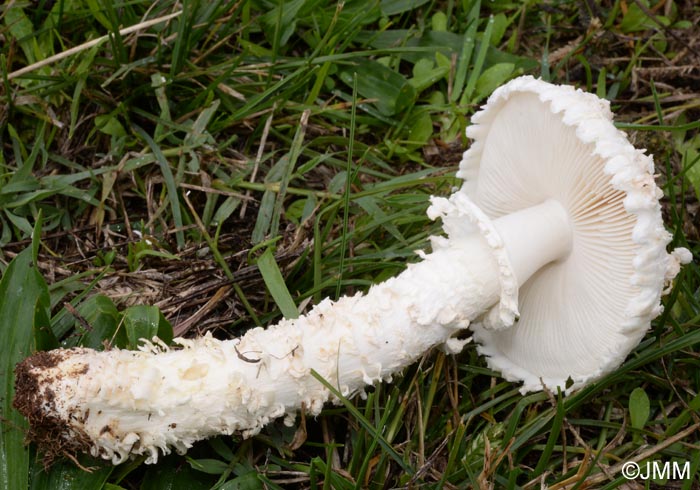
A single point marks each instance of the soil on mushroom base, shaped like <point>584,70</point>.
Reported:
<point>50,433</point>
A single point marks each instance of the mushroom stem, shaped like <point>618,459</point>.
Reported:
<point>535,236</point>
<point>119,403</point>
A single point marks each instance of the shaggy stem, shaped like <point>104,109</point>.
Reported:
<point>118,403</point>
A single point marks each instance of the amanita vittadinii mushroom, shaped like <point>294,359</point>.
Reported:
<point>555,255</point>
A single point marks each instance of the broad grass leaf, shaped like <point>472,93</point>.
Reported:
<point>636,19</point>
<point>421,129</point>
<point>5,233</point>
<point>426,74</point>
<point>23,292</point>
<point>393,7</point>
<point>639,408</point>
<point>19,184</point>
<point>438,21</point>
<point>247,481</point>
<point>208,465</point>
<point>65,475</point>
<point>44,338</point>
<point>390,92</point>
<point>264,222</point>
<point>275,284</point>
<point>198,135</point>
<point>691,161</point>
<point>145,322</point>
<point>221,448</point>
<point>22,31</point>
<point>283,23</point>
<point>97,12</point>
<point>20,222</point>
<point>103,318</point>
<point>225,210</point>
<point>109,124</point>
<point>338,182</point>
<point>491,78</point>
<point>500,24</point>
<point>301,209</point>
<point>256,49</point>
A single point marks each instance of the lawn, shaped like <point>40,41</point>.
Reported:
<point>177,168</point>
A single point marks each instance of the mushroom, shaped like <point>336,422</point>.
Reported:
<point>555,256</point>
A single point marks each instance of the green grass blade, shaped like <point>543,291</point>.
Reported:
<point>275,284</point>
<point>348,188</point>
<point>294,153</point>
<point>657,127</point>
<point>170,184</point>
<point>365,424</point>
<point>465,55</point>
<point>554,434</point>
<point>694,459</point>
<point>22,292</point>
<point>478,63</point>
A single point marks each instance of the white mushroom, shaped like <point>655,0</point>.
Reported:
<point>554,198</point>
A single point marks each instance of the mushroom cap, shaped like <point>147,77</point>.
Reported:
<point>580,316</point>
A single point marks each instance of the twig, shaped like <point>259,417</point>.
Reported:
<point>258,157</point>
<point>211,190</point>
<point>181,328</point>
<point>69,307</point>
<point>89,44</point>
<point>242,357</point>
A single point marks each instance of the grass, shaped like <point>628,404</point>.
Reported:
<point>240,159</point>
